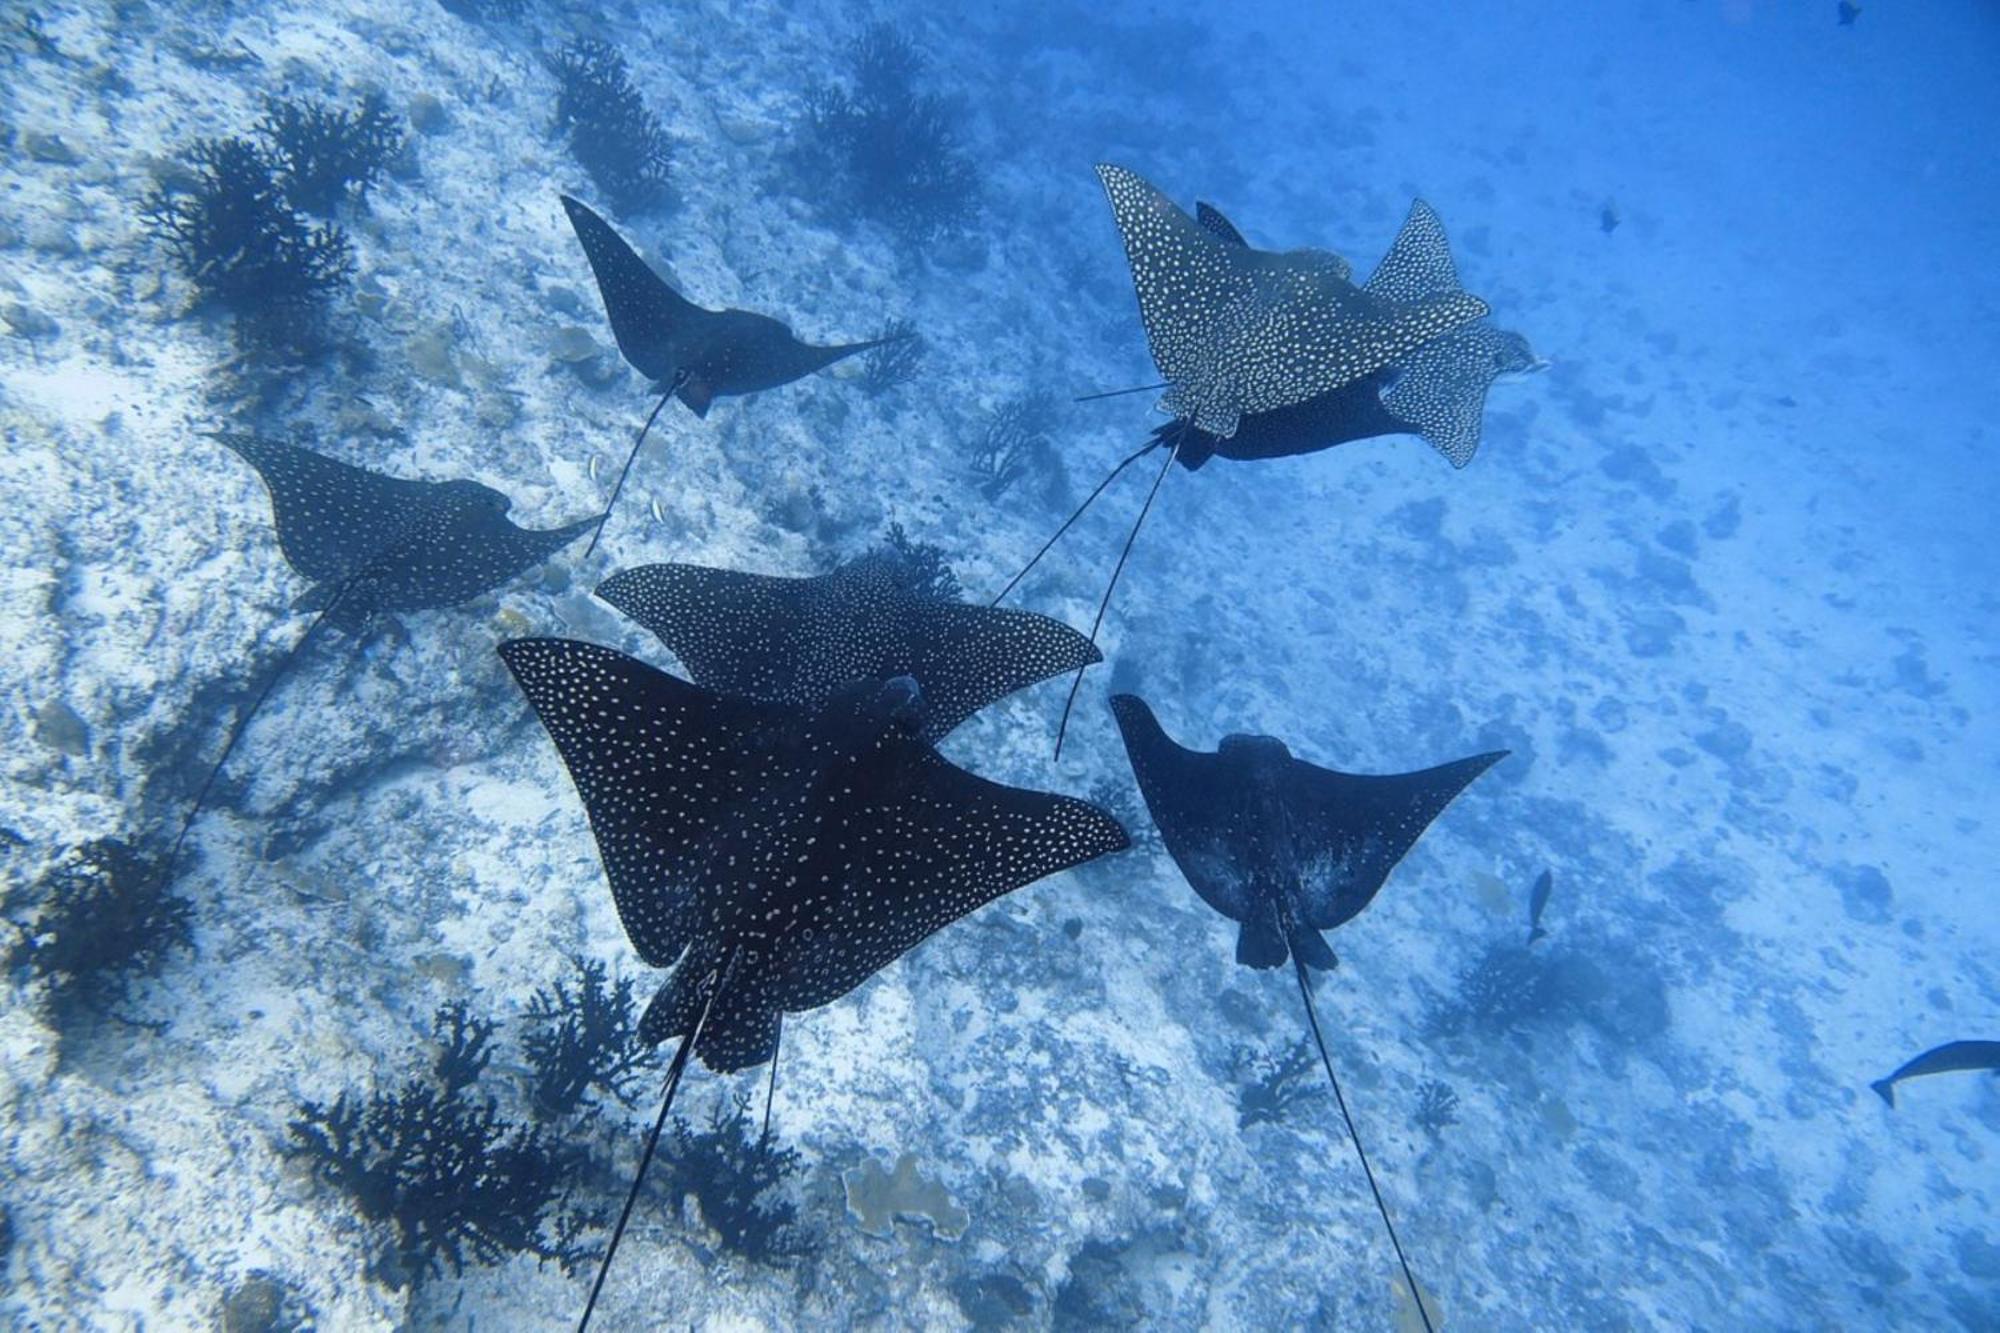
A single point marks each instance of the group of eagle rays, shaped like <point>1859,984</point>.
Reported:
<point>782,827</point>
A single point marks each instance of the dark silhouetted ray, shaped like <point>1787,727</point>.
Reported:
<point>1282,847</point>
<point>1235,330</point>
<point>374,544</point>
<point>798,640</point>
<point>688,351</point>
<point>1285,849</point>
<point>781,854</point>
<point>1954,1057</point>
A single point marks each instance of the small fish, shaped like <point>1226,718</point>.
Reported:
<point>595,466</point>
<point>1607,218</point>
<point>1953,1057</point>
<point>1538,900</point>
<point>1847,11</point>
<point>659,514</point>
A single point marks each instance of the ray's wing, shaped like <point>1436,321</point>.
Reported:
<point>754,635</point>
<point>1311,332</point>
<point>1183,276</point>
<point>463,546</point>
<point>965,657</point>
<point>918,852</point>
<point>1201,820</point>
<point>333,520</point>
<point>1441,392</point>
<point>1349,830</point>
<point>1218,226</point>
<point>646,314</point>
<point>796,640</point>
<point>1419,262</point>
<point>659,764</point>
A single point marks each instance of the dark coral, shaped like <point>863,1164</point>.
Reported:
<point>323,157</point>
<point>1515,991</point>
<point>438,1162</point>
<point>614,135</point>
<point>739,1185</point>
<point>883,148</point>
<point>1276,1083</point>
<point>918,566</point>
<point>584,1038</point>
<point>895,362</point>
<point>1437,1107</point>
<point>232,232</point>
<point>1017,443</point>
<point>108,914</point>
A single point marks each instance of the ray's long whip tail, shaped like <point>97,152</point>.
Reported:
<point>242,725</point>
<point>674,1072</point>
<point>1312,1018</point>
<point>673,387</point>
<point>1104,603</point>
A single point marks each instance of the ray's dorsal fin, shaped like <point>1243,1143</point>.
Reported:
<point>646,315</point>
<point>790,640</point>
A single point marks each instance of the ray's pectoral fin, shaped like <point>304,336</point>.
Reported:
<point>1259,944</point>
<point>742,1028</point>
<point>1311,948</point>
<point>697,394</point>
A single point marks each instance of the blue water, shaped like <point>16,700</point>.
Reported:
<point>1720,578</point>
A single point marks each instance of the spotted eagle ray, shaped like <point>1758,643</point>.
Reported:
<point>1954,1057</point>
<point>1436,391</point>
<point>689,352</point>
<point>781,854</point>
<point>374,544</point>
<point>1237,332</point>
<point>797,640</point>
<point>1286,850</point>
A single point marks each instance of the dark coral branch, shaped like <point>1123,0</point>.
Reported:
<point>584,1038</point>
<point>439,1163</point>
<point>615,136</point>
<point>321,156</point>
<point>233,234</point>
